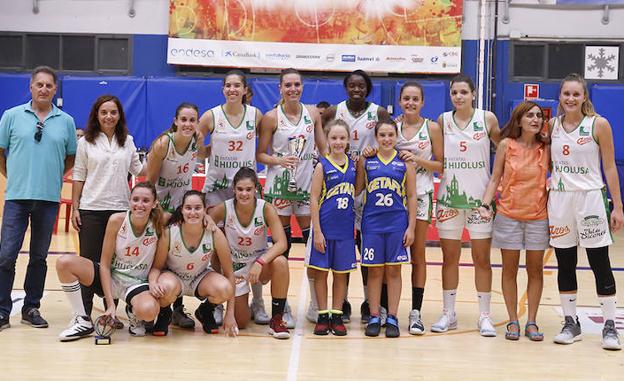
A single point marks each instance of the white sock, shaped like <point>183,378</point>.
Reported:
<point>484,302</point>
<point>72,290</point>
<point>448,297</point>
<point>313,300</point>
<point>256,290</point>
<point>568,304</point>
<point>608,305</point>
<point>365,292</point>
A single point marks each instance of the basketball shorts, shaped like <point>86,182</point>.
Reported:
<point>451,222</point>
<point>579,218</point>
<point>122,287</point>
<point>217,197</point>
<point>339,256</point>
<point>358,208</point>
<point>424,208</point>
<point>290,207</point>
<point>381,249</point>
<point>188,286</point>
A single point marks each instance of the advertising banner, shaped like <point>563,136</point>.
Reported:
<point>398,36</point>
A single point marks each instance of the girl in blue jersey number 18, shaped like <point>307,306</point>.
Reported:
<point>388,222</point>
<point>333,218</point>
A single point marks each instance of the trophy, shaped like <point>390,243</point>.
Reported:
<point>295,148</point>
<point>104,327</point>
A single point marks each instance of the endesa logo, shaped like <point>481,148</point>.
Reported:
<point>348,58</point>
<point>197,53</point>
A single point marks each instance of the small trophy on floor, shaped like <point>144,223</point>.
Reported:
<point>104,327</point>
<point>295,148</point>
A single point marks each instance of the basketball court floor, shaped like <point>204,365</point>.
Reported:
<point>36,354</point>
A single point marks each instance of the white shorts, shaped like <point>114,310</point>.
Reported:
<point>216,198</point>
<point>358,208</point>
<point>425,207</point>
<point>188,287</point>
<point>451,222</point>
<point>290,207</point>
<point>579,218</point>
<point>240,279</point>
<point>121,286</point>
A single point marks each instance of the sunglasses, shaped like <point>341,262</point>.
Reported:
<point>39,132</point>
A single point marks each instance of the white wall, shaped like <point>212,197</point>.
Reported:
<point>111,16</point>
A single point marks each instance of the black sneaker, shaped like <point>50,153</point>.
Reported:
<point>364,312</point>
<point>336,325</point>
<point>374,326</point>
<point>4,322</point>
<point>182,319</point>
<point>322,325</point>
<point>32,317</point>
<point>161,326</point>
<point>205,314</point>
<point>392,326</point>
<point>346,311</point>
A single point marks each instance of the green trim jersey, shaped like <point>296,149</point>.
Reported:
<point>419,145</point>
<point>287,136</point>
<point>134,252</point>
<point>249,242</point>
<point>188,263</point>
<point>575,157</point>
<point>361,128</point>
<point>176,174</point>
<point>466,161</point>
<point>232,147</point>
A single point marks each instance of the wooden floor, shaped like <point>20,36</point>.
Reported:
<point>36,354</point>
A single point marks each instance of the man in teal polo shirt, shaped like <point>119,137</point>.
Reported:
<point>37,146</point>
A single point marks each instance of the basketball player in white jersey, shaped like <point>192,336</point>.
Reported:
<point>361,117</point>
<point>578,209</point>
<point>129,249</point>
<point>171,163</point>
<point>467,134</point>
<point>419,141</point>
<point>186,269</point>
<point>247,220</point>
<point>232,127</point>
<point>288,134</point>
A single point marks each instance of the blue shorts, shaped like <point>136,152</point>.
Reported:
<point>379,249</point>
<point>339,256</point>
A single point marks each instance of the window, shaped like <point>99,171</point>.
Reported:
<point>11,51</point>
<point>564,59</point>
<point>43,49</point>
<point>78,53</point>
<point>528,60</point>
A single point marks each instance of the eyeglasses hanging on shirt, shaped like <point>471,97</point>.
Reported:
<point>39,132</point>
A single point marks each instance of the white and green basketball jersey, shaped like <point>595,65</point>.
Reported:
<point>362,128</point>
<point>232,147</point>
<point>248,242</point>
<point>289,134</point>
<point>466,161</point>
<point>134,252</point>
<point>188,262</point>
<point>575,157</point>
<point>176,174</point>
<point>420,145</point>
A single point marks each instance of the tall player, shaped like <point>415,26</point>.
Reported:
<point>578,211</point>
<point>388,222</point>
<point>420,142</point>
<point>467,135</point>
<point>361,117</point>
<point>247,220</point>
<point>291,130</point>
<point>171,163</point>
<point>232,127</point>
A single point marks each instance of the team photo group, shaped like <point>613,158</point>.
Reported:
<point>360,184</point>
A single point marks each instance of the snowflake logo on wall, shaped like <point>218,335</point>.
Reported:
<point>602,62</point>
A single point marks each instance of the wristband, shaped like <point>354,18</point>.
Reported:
<point>260,261</point>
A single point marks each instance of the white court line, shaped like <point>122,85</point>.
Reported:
<point>295,350</point>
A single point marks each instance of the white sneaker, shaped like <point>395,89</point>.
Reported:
<point>383,315</point>
<point>136,326</point>
<point>288,318</point>
<point>79,327</point>
<point>486,327</point>
<point>258,313</point>
<point>218,314</point>
<point>445,323</point>
<point>416,326</point>
<point>610,337</point>
<point>570,333</point>
<point>312,314</point>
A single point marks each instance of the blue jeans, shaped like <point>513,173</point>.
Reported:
<point>42,215</point>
